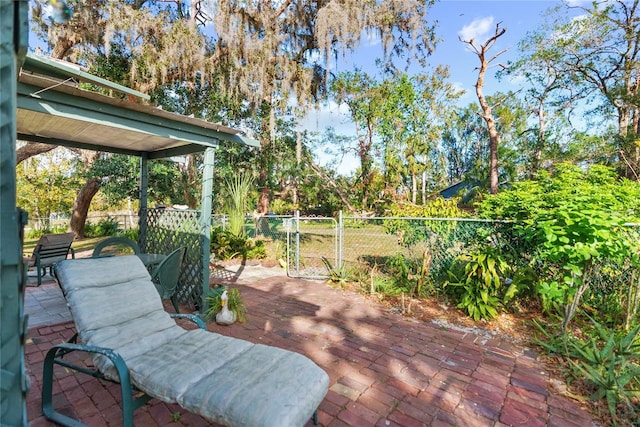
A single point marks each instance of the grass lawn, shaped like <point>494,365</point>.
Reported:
<point>78,245</point>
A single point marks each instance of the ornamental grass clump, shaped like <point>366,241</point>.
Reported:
<point>234,304</point>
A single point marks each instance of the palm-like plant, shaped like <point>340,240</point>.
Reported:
<point>237,189</point>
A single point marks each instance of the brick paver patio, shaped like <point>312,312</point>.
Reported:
<point>385,370</point>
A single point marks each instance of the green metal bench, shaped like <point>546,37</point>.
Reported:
<point>50,249</point>
<point>121,322</point>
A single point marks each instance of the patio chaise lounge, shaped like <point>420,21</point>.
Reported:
<point>120,319</point>
<point>50,249</point>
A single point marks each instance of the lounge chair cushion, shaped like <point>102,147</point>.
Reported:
<point>229,381</point>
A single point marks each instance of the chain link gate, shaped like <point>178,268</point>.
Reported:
<point>312,246</point>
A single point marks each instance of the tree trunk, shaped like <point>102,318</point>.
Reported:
<point>81,206</point>
<point>62,47</point>
<point>414,188</point>
<point>294,195</point>
<point>32,149</point>
<point>424,188</point>
<point>191,174</point>
<point>487,113</point>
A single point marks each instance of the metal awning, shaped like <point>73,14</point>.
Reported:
<point>53,110</point>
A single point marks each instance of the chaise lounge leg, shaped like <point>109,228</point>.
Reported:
<point>129,404</point>
<point>315,418</point>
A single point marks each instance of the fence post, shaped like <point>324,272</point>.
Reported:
<point>340,238</point>
<point>297,242</point>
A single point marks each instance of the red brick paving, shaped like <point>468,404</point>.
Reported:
<point>385,370</point>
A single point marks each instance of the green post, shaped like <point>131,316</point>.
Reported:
<point>143,222</point>
<point>205,223</point>
<point>13,379</point>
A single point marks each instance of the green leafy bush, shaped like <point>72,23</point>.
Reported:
<point>35,233</point>
<point>227,245</point>
<point>237,190</point>
<point>412,232</point>
<point>483,281</point>
<point>104,227</point>
<point>607,360</point>
<point>570,218</point>
<point>131,233</point>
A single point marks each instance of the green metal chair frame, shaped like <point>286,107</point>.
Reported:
<point>132,397</point>
<point>115,241</point>
<point>147,350</point>
<point>50,249</point>
<point>165,276</point>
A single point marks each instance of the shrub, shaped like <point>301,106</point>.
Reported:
<point>104,227</point>
<point>131,233</point>
<point>571,218</point>
<point>483,281</point>
<point>227,245</point>
<point>35,233</point>
<point>608,361</point>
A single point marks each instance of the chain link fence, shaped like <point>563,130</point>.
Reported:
<point>360,247</point>
<point>319,247</point>
<point>60,223</point>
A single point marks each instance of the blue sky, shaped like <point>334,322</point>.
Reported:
<point>465,18</point>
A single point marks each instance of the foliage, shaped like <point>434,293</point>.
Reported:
<point>412,232</point>
<point>227,245</point>
<point>38,232</point>
<point>590,62</point>
<point>104,227</point>
<point>412,117</point>
<point>237,191</point>
<point>608,360</point>
<point>234,303</point>
<point>339,275</point>
<point>571,218</point>
<point>120,179</point>
<point>46,184</point>
<point>401,270</point>
<point>483,281</point>
<point>384,285</point>
<point>130,233</point>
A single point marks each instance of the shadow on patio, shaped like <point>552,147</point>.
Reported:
<point>384,369</point>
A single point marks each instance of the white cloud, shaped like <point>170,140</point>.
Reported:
<point>478,28</point>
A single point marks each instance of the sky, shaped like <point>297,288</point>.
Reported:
<point>456,18</point>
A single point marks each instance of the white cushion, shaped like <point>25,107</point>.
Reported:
<point>226,380</point>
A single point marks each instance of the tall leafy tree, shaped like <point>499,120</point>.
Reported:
<point>549,97</point>
<point>282,42</point>
<point>462,144</point>
<point>364,99</point>
<point>413,116</point>
<point>596,59</point>
<point>46,185</point>
<point>261,52</point>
